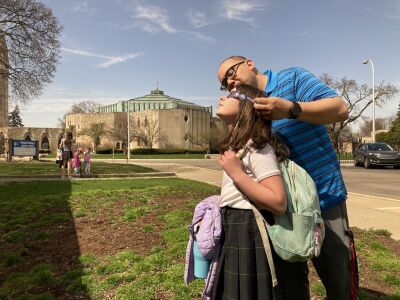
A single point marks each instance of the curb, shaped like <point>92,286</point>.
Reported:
<point>16,178</point>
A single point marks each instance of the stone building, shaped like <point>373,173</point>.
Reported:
<point>182,124</point>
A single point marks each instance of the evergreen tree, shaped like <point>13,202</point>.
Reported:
<point>14,118</point>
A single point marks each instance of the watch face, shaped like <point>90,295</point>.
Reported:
<point>296,110</point>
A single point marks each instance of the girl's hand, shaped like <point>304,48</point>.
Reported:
<point>231,164</point>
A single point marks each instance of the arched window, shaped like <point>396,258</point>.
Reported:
<point>27,137</point>
<point>45,143</point>
<point>2,143</point>
<point>145,121</point>
<point>138,122</point>
<point>186,119</point>
<point>60,136</point>
<point>118,146</point>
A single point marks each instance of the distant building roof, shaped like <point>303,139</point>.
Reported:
<point>155,100</point>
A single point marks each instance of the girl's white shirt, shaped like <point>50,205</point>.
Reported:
<point>259,164</point>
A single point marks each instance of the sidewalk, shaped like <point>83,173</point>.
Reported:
<point>364,211</point>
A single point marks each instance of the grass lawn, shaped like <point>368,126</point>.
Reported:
<point>126,239</point>
<point>51,168</point>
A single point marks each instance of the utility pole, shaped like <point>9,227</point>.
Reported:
<point>129,133</point>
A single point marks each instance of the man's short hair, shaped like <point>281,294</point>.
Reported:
<point>234,57</point>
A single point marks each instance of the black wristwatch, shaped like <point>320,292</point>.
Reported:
<point>295,110</point>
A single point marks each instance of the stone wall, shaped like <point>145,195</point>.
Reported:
<point>48,138</point>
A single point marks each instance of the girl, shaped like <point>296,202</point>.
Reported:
<point>243,271</point>
<point>77,162</point>
<point>87,161</point>
<point>66,146</point>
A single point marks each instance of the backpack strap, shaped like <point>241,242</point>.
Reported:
<point>260,223</point>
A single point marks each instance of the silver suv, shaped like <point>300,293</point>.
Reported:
<point>376,154</point>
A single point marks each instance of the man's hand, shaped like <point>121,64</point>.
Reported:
<point>231,164</point>
<point>273,108</point>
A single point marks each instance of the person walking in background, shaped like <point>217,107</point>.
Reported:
<point>243,268</point>
<point>87,161</point>
<point>67,144</point>
<point>299,104</point>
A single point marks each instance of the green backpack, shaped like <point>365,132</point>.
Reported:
<point>297,235</point>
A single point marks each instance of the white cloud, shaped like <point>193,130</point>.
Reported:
<point>110,60</point>
<point>199,19</point>
<point>239,10</point>
<point>153,19</point>
<point>199,36</point>
<point>84,7</point>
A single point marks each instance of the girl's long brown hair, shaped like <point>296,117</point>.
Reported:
<point>250,125</point>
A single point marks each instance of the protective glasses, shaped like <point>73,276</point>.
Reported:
<point>240,96</point>
<point>230,73</point>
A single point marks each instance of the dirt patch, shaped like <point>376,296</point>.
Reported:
<point>101,235</point>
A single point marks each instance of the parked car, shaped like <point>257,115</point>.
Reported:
<point>376,154</point>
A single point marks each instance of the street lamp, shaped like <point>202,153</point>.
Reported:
<point>373,96</point>
<point>129,133</point>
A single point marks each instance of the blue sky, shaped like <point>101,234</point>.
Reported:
<point>118,49</point>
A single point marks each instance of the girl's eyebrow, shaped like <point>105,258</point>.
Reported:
<point>240,96</point>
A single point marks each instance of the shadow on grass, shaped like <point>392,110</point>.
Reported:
<point>39,249</point>
<point>368,294</point>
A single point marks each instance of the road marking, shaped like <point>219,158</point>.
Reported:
<point>377,197</point>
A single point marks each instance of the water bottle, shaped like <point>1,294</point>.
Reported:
<point>201,264</point>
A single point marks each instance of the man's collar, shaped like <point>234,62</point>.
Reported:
<point>272,81</point>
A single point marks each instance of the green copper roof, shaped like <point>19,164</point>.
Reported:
<point>155,100</point>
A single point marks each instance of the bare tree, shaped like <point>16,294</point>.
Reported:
<point>86,106</point>
<point>207,141</point>
<point>149,132</point>
<point>358,99</point>
<point>380,123</point>
<point>29,35</point>
<point>95,132</point>
<point>82,107</point>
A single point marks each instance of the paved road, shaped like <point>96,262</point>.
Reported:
<point>375,182</point>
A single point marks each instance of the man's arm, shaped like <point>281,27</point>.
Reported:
<point>322,111</point>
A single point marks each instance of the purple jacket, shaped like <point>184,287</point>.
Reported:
<point>208,238</point>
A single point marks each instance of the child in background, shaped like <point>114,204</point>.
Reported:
<point>77,162</point>
<point>87,161</point>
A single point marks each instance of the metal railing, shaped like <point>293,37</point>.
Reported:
<point>345,158</point>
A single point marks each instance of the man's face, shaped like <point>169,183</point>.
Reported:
<point>234,71</point>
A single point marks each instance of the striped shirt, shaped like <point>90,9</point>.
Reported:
<point>309,144</point>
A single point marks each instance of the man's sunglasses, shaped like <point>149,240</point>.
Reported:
<point>230,73</point>
<point>240,96</point>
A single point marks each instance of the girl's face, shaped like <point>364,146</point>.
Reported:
<point>228,109</point>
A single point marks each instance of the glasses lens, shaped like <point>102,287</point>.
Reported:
<point>230,73</point>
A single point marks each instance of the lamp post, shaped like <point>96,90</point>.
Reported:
<point>373,96</point>
<point>129,133</point>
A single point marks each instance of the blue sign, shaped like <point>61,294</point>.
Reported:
<point>24,148</point>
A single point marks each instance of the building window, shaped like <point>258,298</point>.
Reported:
<point>186,119</point>
<point>138,122</point>
<point>45,144</point>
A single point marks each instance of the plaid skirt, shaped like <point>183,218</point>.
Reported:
<point>242,271</point>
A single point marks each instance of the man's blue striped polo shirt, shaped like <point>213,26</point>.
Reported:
<point>309,144</point>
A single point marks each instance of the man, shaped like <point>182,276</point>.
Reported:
<point>299,104</point>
